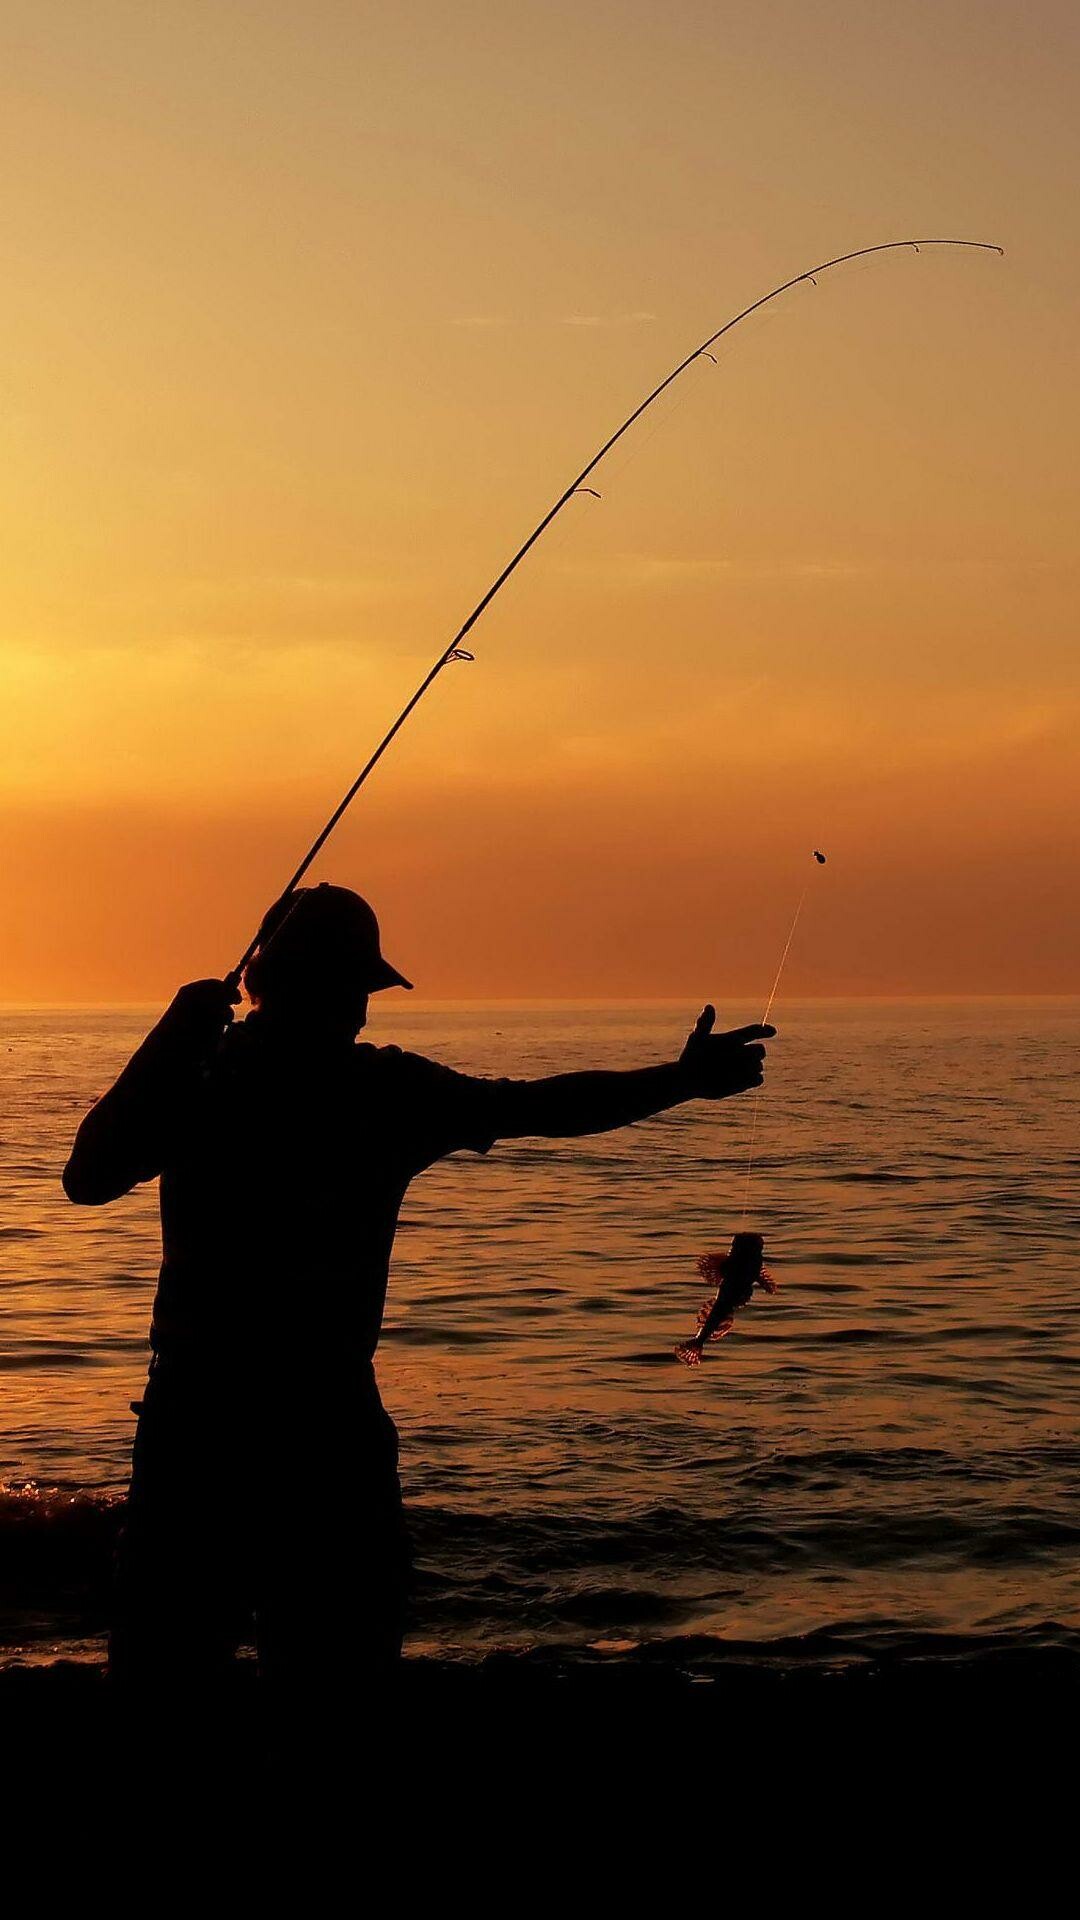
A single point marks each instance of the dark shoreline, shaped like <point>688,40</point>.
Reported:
<point>690,1681</point>
<point>615,1768</point>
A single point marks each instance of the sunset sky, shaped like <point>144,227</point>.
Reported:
<point>310,311</point>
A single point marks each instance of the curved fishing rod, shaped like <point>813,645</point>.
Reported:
<point>455,651</point>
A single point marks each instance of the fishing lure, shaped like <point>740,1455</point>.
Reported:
<point>736,1275</point>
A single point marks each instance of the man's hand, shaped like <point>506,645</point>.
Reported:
<point>716,1064</point>
<point>127,1134</point>
<point>199,1015</point>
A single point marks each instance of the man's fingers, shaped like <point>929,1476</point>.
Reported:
<point>723,1063</point>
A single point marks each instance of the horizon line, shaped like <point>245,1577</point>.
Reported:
<point>595,1000</point>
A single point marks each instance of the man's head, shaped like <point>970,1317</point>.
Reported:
<point>319,959</point>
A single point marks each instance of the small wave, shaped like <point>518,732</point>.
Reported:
<point>422,1333</point>
<point>851,1336</point>
<point>833,1532</point>
<point>30,1359</point>
<point>856,1179</point>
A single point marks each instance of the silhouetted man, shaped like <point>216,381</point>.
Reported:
<point>264,1482</point>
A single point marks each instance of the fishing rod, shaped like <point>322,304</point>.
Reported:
<point>456,652</point>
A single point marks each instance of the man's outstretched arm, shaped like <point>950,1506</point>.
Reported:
<point>710,1067</point>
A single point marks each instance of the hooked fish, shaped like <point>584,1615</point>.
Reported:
<point>736,1275</point>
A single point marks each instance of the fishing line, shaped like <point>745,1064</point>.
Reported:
<point>819,860</point>
<point>455,651</point>
<point>784,955</point>
<point>673,404</point>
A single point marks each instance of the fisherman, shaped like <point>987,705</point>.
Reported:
<point>264,1496</point>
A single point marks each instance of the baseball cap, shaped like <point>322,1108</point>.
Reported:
<point>320,925</point>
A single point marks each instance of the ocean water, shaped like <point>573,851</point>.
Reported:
<point>884,1455</point>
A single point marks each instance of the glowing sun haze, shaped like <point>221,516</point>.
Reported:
<point>308,315</point>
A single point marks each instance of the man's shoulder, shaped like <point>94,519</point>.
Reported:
<point>394,1070</point>
<point>439,1108</point>
<point>397,1063</point>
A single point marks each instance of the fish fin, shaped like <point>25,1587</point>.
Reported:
<point>704,1311</point>
<point>721,1332</point>
<point>690,1355</point>
<point>766,1282</point>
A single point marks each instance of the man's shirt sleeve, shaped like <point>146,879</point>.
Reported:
<point>442,1111</point>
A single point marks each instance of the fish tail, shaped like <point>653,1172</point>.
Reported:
<point>690,1355</point>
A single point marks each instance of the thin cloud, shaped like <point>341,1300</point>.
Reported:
<point>644,569</point>
<point>605,319</point>
<point>491,320</point>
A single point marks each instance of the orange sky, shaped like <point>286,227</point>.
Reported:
<point>309,313</point>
